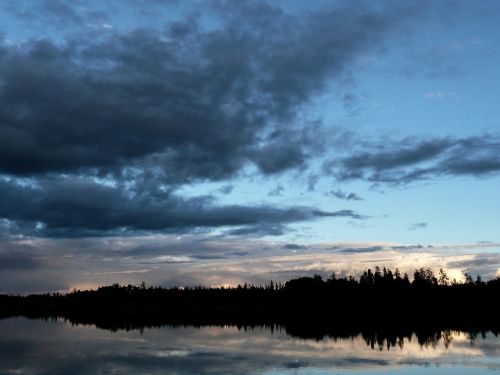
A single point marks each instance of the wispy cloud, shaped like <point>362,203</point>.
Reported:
<point>416,226</point>
<point>210,260</point>
<point>343,195</point>
<point>408,160</point>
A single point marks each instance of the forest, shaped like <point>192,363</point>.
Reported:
<point>379,297</point>
<point>381,287</point>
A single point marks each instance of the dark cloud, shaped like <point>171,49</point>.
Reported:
<point>238,253</point>
<point>98,133</point>
<point>279,156</point>
<point>197,104</point>
<point>60,14</point>
<point>485,264</point>
<point>273,227</point>
<point>409,247</point>
<point>220,256</point>
<point>405,161</point>
<point>342,213</point>
<point>82,207</point>
<point>259,230</point>
<point>480,260</point>
<point>293,246</point>
<point>370,249</point>
<point>277,191</point>
<point>226,189</point>
<point>209,256</point>
<point>344,195</point>
<point>18,262</point>
<point>61,11</point>
<point>409,154</point>
<point>312,180</point>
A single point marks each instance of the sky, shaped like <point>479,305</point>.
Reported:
<point>220,142</point>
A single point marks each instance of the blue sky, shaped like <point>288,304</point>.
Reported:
<point>164,126</point>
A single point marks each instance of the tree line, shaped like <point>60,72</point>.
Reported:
<point>380,300</point>
<point>380,287</point>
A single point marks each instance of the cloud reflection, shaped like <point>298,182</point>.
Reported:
<point>32,347</point>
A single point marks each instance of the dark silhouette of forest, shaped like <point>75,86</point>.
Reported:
<point>379,302</point>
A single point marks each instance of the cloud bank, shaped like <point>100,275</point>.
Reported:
<point>98,133</point>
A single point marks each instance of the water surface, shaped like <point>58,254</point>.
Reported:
<point>58,347</point>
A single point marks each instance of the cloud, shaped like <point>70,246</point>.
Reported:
<point>170,259</point>
<point>342,213</point>
<point>415,226</point>
<point>227,350</point>
<point>484,264</point>
<point>209,259</point>
<point>83,208</point>
<point>277,191</point>
<point>344,195</point>
<point>99,134</point>
<point>56,14</point>
<point>478,260</point>
<point>407,160</point>
<point>226,189</point>
<point>270,228</point>
<point>259,230</point>
<point>18,262</point>
<point>200,104</point>
<point>61,11</point>
<point>293,246</point>
<point>409,247</point>
<point>369,249</point>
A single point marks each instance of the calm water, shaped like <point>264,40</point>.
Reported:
<point>39,347</point>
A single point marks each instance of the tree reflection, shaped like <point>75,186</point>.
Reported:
<point>382,306</point>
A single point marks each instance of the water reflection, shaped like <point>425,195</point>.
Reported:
<point>57,347</point>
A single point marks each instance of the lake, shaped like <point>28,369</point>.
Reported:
<point>59,347</point>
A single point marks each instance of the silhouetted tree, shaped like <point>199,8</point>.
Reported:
<point>443,278</point>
